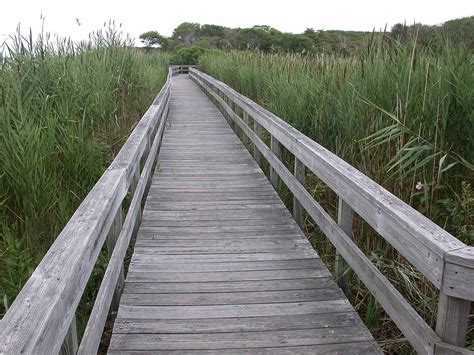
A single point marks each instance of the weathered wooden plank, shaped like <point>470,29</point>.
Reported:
<point>228,286</point>
<point>344,220</point>
<point>228,325</point>
<point>151,276</point>
<point>202,266</point>
<point>145,254</point>
<point>197,299</point>
<point>300,175</point>
<point>234,311</point>
<point>453,319</point>
<point>349,348</point>
<point>275,148</point>
<point>238,340</point>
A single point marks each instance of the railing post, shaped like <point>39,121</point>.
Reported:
<point>300,174</point>
<point>344,219</point>
<point>275,147</point>
<point>70,344</point>
<point>453,318</point>
<point>111,241</point>
<point>245,138</point>
<point>259,132</point>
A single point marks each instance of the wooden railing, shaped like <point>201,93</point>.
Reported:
<point>444,260</point>
<point>42,320</point>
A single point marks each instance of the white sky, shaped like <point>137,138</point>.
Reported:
<point>138,16</point>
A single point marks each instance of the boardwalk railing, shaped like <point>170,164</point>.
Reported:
<point>41,320</point>
<point>444,260</point>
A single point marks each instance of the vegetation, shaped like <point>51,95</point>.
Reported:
<point>270,40</point>
<point>402,113</point>
<point>65,110</point>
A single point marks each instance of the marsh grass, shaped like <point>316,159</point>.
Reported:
<point>403,114</point>
<point>65,110</point>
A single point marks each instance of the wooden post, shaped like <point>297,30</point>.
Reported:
<point>344,219</point>
<point>70,344</point>
<point>275,147</point>
<point>453,319</point>
<point>300,174</point>
<point>111,241</point>
<point>259,132</point>
<point>245,138</point>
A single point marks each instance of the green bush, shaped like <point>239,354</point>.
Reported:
<point>189,55</point>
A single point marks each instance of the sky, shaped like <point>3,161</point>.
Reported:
<point>76,19</point>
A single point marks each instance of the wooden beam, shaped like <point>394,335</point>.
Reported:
<point>344,220</point>
<point>300,175</point>
<point>453,318</point>
<point>245,139</point>
<point>275,148</point>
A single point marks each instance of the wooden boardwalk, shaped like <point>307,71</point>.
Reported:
<point>219,263</point>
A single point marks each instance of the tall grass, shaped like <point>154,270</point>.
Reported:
<point>403,115</point>
<point>65,110</point>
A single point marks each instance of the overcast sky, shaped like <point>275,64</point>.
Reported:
<point>138,16</point>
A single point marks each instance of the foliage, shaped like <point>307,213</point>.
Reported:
<point>65,110</point>
<point>267,39</point>
<point>189,55</point>
<point>153,38</point>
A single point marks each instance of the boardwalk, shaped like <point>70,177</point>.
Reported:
<point>219,263</point>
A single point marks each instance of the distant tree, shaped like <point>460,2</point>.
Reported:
<point>153,38</point>
<point>257,38</point>
<point>212,31</point>
<point>294,43</point>
<point>187,32</point>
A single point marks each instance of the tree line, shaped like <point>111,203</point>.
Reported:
<point>268,39</point>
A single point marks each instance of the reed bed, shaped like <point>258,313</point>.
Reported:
<point>401,113</point>
<point>65,110</point>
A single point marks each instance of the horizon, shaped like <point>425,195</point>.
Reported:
<point>77,21</point>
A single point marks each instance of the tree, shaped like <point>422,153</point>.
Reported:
<point>212,31</point>
<point>187,32</point>
<point>256,38</point>
<point>153,38</point>
<point>189,55</point>
<point>289,42</point>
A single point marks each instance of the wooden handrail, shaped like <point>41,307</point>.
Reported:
<point>42,313</point>
<point>444,260</point>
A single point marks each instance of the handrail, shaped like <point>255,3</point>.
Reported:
<point>42,313</point>
<point>444,260</point>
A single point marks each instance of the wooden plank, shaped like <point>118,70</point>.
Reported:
<point>275,148</point>
<point>151,276</point>
<point>228,325</point>
<point>202,266</point>
<point>245,139</point>
<point>228,286</point>
<point>111,241</point>
<point>344,220</point>
<point>349,348</point>
<point>205,299</point>
<point>300,175</point>
<point>453,319</point>
<point>151,342</point>
<point>234,311</point>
